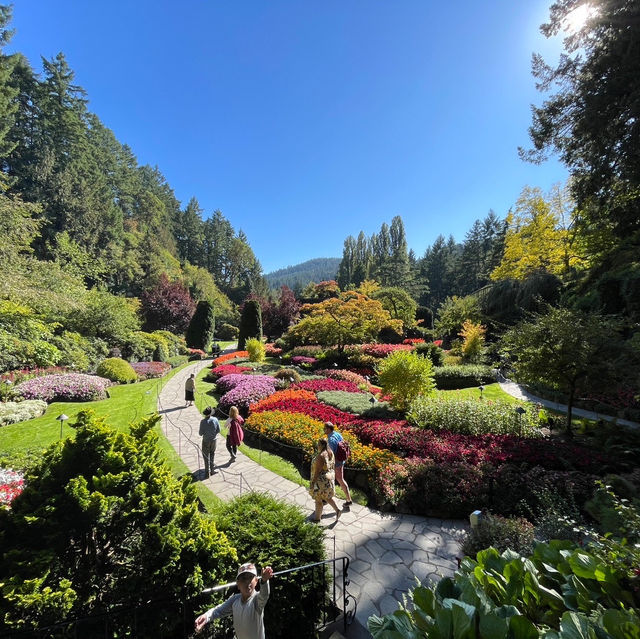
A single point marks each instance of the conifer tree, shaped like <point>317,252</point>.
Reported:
<point>250,323</point>
<point>201,327</point>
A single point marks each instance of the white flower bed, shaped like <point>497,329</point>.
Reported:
<point>14,412</point>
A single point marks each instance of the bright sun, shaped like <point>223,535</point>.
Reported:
<point>578,17</point>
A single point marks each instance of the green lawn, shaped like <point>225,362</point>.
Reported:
<point>491,391</point>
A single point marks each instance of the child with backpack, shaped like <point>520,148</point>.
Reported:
<point>341,452</point>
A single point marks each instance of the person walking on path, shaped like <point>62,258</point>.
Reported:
<point>247,606</point>
<point>335,438</point>
<point>322,484</point>
<point>209,429</point>
<point>235,433</point>
<point>190,389</point>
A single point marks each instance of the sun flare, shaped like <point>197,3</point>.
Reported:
<point>577,18</point>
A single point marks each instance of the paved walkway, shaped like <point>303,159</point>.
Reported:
<point>387,551</point>
<point>519,392</point>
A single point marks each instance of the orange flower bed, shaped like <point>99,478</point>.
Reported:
<point>303,432</point>
<point>229,356</point>
<point>264,404</point>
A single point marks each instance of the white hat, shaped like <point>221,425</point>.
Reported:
<point>247,568</point>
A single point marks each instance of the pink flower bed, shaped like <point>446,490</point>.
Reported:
<point>11,485</point>
<point>347,376</point>
<point>246,391</point>
<point>301,359</point>
<point>382,350</point>
<point>17,376</point>
<point>227,369</point>
<point>228,382</point>
<point>149,370</point>
<point>327,384</point>
<point>71,387</point>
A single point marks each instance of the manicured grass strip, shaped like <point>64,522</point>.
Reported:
<point>490,392</point>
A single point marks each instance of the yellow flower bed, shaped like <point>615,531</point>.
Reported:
<point>302,431</point>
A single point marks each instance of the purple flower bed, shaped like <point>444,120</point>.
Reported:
<point>248,390</point>
<point>70,387</point>
<point>226,383</point>
<point>149,370</point>
<point>301,359</point>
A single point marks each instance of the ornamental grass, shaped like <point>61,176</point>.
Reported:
<point>303,432</point>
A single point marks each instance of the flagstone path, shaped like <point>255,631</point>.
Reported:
<point>387,551</point>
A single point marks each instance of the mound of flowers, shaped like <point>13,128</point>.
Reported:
<point>245,390</point>
<point>347,376</point>
<point>70,387</point>
<point>226,383</point>
<point>150,370</point>
<point>229,356</point>
<point>15,412</point>
<point>327,384</point>
<point>11,485</point>
<point>196,353</point>
<point>382,350</point>
<point>280,396</point>
<point>303,432</point>
<point>271,350</point>
<point>226,369</point>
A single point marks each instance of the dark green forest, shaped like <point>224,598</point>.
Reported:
<point>298,276</point>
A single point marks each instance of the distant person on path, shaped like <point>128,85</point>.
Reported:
<point>335,438</point>
<point>235,432</point>
<point>209,429</point>
<point>322,484</point>
<point>190,389</point>
<point>247,606</point>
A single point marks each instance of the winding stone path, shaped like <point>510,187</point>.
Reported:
<point>387,552</point>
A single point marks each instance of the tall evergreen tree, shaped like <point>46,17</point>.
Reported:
<point>347,265</point>
<point>8,92</point>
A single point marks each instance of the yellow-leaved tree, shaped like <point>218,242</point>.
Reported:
<point>473,340</point>
<point>540,236</point>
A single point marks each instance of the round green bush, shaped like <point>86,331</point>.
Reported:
<point>502,533</point>
<point>117,370</point>
<point>256,350</point>
<point>288,374</point>
<point>405,376</point>
<point>271,532</point>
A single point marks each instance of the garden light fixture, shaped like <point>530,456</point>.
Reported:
<point>520,412</point>
<point>62,419</point>
<point>481,388</point>
<point>475,518</point>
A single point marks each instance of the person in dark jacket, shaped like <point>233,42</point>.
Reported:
<point>209,429</point>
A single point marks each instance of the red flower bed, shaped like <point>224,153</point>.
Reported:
<point>229,356</point>
<point>413,341</point>
<point>327,384</point>
<point>437,342</point>
<point>382,350</point>
<point>226,369</point>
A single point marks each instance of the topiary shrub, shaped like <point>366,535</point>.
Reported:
<point>117,370</point>
<point>453,377</point>
<point>272,532</point>
<point>288,376</point>
<point>201,327</point>
<point>501,533</point>
<point>256,350</point>
<point>250,323</point>
<point>405,376</point>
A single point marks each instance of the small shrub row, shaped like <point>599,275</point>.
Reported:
<point>15,412</point>
<point>463,376</point>
<point>474,416</point>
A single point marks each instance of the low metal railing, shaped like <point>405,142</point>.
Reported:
<point>174,619</point>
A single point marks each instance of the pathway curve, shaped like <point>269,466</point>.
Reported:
<point>520,392</point>
<point>387,551</point>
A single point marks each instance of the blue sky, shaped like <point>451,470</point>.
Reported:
<point>305,122</point>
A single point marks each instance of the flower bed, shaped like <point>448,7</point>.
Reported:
<point>150,370</point>
<point>280,396</point>
<point>225,369</point>
<point>327,384</point>
<point>271,350</point>
<point>229,356</point>
<point>15,412</point>
<point>248,390</point>
<point>17,376</point>
<point>347,376</point>
<point>228,382</point>
<point>71,387</point>
<point>412,341</point>
<point>11,485</point>
<point>303,432</point>
<point>382,350</point>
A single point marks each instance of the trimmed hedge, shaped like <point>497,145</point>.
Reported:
<point>463,376</point>
<point>117,370</point>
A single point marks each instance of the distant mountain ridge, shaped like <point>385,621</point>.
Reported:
<point>299,275</point>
